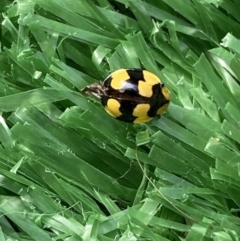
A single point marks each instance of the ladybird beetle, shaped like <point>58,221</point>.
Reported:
<point>131,95</point>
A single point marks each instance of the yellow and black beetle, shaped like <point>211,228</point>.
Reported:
<point>131,95</point>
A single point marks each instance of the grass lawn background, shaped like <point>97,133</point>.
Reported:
<point>69,171</point>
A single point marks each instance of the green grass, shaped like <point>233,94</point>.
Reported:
<point>68,171</point>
